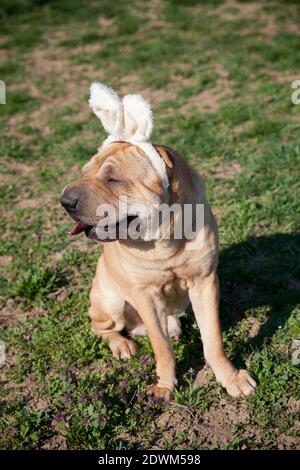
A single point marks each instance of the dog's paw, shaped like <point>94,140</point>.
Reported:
<point>241,384</point>
<point>162,393</point>
<point>123,348</point>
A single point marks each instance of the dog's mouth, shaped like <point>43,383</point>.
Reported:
<point>111,231</point>
<point>80,227</point>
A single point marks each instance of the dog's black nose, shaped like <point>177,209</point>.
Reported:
<point>69,199</point>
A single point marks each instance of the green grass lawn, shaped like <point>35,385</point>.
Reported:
<point>218,74</point>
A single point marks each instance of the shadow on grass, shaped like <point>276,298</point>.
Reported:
<point>259,277</point>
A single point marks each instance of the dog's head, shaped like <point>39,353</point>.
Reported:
<point>116,192</point>
<point>126,178</point>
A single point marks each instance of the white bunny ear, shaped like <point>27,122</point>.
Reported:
<point>129,120</point>
<point>107,106</point>
<point>138,121</point>
<point>138,125</point>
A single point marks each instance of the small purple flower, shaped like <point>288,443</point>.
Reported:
<point>101,394</point>
<point>123,384</point>
<point>102,419</point>
<point>140,396</point>
<point>147,410</point>
<point>83,398</point>
<point>69,374</point>
<point>58,418</point>
<point>86,421</point>
<point>145,360</point>
<point>68,398</point>
<point>153,400</point>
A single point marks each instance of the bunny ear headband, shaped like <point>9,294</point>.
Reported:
<point>130,120</point>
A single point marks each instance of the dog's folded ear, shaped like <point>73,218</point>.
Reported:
<point>165,156</point>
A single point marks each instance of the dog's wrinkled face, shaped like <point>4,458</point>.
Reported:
<point>119,172</point>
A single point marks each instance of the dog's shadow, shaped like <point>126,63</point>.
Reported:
<point>260,281</point>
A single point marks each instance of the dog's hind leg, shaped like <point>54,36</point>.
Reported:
<point>133,322</point>
<point>107,315</point>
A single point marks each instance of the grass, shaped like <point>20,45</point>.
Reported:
<point>219,79</point>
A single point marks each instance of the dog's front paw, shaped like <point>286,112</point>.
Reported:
<point>241,384</point>
<point>161,393</point>
<point>123,348</point>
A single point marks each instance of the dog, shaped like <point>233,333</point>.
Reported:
<point>143,285</point>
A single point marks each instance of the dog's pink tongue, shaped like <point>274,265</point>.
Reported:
<point>78,228</point>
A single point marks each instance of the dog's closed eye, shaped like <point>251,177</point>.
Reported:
<point>113,180</point>
<point>109,174</point>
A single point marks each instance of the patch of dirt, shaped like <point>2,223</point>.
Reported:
<point>105,22</point>
<point>292,28</point>
<point>3,55</point>
<point>242,127</point>
<point>14,390</point>
<point>50,64</point>
<point>53,38</point>
<point>204,377</point>
<point>34,203</point>
<point>17,167</point>
<point>224,170</point>
<point>232,10</point>
<point>219,421</point>
<point>253,326</point>
<point>154,96</point>
<point>40,403</point>
<point>213,429</point>
<point>13,170</point>
<point>3,38</point>
<point>86,49</point>
<point>179,425</point>
<point>285,442</point>
<point>57,442</point>
<point>5,260</point>
<point>48,61</point>
<point>60,295</point>
<point>283,77</point>
<point>8,313</point>
<point>11,312</point>
<point>80,244</point>
<point>209,101</point>
<point>293,406</point>
<point>151,18</point>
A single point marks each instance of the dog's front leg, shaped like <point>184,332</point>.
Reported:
<point>158,334</point>
<point>204,296</point>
